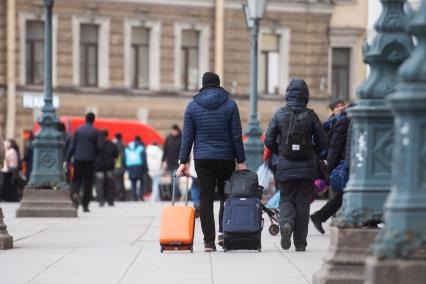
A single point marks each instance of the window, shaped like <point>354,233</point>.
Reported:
<point>89,55</point>
<point>269,63</point>
<point>340,73</point>
<point>140,57</point>
<point>34,52</point>
<point>189,57</point>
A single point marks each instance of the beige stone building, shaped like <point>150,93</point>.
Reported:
<point>143,59</point>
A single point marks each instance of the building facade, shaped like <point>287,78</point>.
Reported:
<point>143,59</point>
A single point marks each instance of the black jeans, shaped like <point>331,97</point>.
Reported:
<point>295,202</point>
<point>212,174</point>
<point>83,176</point>
<point>105,187</point>
<point>119,184</point>
<point>330,208</point>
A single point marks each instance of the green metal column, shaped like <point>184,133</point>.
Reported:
<point>372,136</point>
<point>405,210</point>
<point>253,145</point>
<point>48,157</point>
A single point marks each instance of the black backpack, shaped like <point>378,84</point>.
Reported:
<point>243,184</point>
<point>296,140</point>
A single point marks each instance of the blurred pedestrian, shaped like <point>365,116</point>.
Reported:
<point>301,136</point>
<point>337,151</point>
<point>171,154</point>
<point>137,166</point>
<point>28,155</point>
<point>11,171</point>
<point>195,187</point>
<point>83,150</point>
<point>119,168</point>
<point>154,155</point>
<point>104,168</point>
<point>212,125</point>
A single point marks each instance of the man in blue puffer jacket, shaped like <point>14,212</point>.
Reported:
<point>212,123</point>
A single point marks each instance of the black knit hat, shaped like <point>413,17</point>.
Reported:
<point>335,103</point>
<point>211,79</point>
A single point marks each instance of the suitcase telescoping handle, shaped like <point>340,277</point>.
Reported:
<point>175,181</point>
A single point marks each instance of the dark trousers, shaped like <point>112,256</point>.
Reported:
<point>134,183</point>
<point>330,208</point>
<point>294,208</point>
<point>105,187</point>
<point>212,174</point>
<point>119,185</point>
<point>83,176</point>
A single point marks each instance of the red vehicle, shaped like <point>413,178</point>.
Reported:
<point>128,128</point>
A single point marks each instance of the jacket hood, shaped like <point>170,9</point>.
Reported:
<point>297,93</point>
<point>211,98</point>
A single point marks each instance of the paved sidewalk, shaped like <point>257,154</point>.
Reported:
<point>120,245</point>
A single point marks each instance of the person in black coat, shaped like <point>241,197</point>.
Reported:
<point>337,152</point>
<point>171,151</point>
<point>104,167</point>
<point>295,177</point>
<point>83,150</point>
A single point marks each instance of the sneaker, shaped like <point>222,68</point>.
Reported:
<point>209,247</point>
<point>317,223</point>
<point>197,212</point>
<point>286,232</point>
<point>220,240</point>
<point>300,248</point>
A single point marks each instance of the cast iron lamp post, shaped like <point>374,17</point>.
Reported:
<point>47,163</point>
<point>254,11</point>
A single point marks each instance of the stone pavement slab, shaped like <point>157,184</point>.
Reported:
<point>120,245</point>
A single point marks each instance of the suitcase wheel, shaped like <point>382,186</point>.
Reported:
<point>274,229</point>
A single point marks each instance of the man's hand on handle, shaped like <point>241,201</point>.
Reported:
<point>182,170</point>
<point>242,166</point>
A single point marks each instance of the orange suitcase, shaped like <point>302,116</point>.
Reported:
<point>177,224</point>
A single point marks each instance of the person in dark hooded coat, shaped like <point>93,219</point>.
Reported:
<point>295,177</point>
<point>212,124</point>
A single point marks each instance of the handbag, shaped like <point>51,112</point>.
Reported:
<point>339,177</point>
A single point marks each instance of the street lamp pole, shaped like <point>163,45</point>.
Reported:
<point>48,156</point>
<point>253,12</point>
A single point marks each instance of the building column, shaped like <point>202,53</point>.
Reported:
<point>399,252</point>
<point>371,151</point>
<point>219,37</point>
<point>11,70</point>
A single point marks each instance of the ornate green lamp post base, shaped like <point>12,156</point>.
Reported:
<point>46,195</point>
<point>369,184</point>
<point>371,149</point>
<point>6,240</point>
<point>399,252</point>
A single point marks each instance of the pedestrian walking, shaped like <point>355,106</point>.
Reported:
<point>212,125</point>
<point>336,107</point>
<point>300,135</point>
<point>337,151</point>
<point>12,183</point>
<point>82,153</point>
<point>171,155</point>
<point>104,168</point>
<point>154,155</point>
<point>195,187</point>
<point>137,166</point>
<point>119,167</point>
